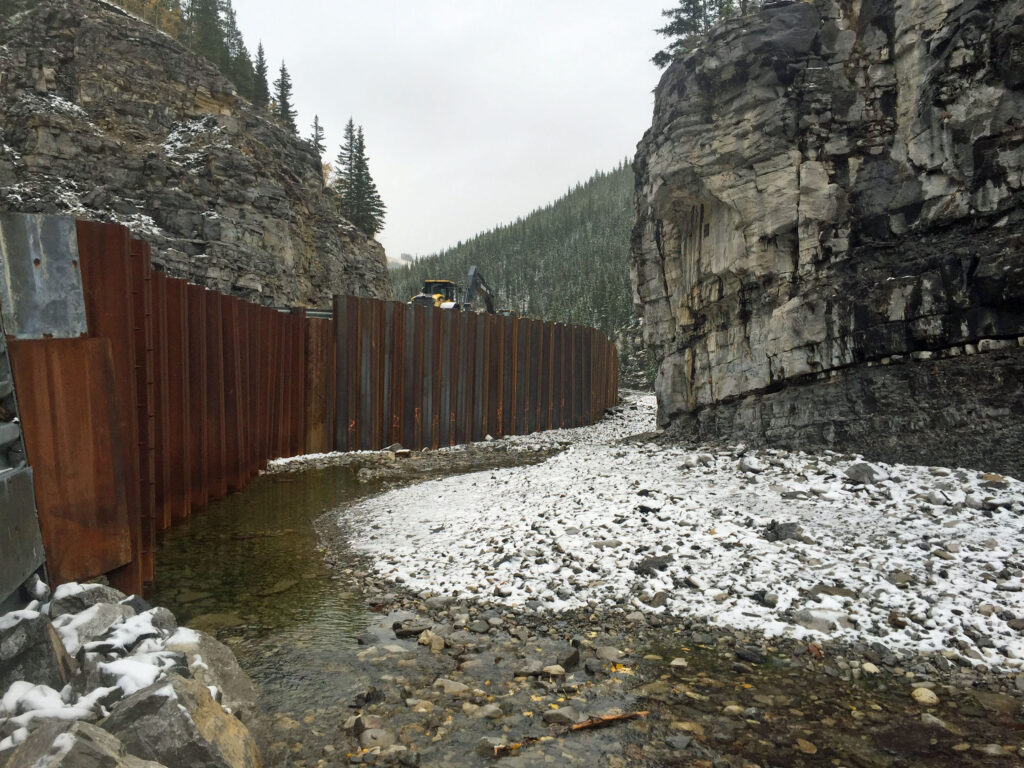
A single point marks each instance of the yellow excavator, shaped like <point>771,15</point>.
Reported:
<point>443,294</point>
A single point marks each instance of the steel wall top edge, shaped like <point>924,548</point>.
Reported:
<point>40,277</point>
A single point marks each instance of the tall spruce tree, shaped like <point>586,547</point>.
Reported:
<point>343,169</point>
<point>237,64</point>
<point>316,138</point>
<point>369,208</point>
<point>260,85</point>
<point>203,30</point>
<point>284,112</point>
<point>359,200</point>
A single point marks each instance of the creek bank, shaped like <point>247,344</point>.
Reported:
<point>93,676</point>
<point>443,681</point>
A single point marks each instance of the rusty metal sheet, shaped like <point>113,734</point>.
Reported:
<point>543,375</point>
<point>142,314</point>
<point>397,374</point>
<point>217,481</point>
<point>496,375</point>
<point>364,324</point>
<point>428,372</point>
<point>536,373</point>
<point>417,347</point>
<point>380,395</point>
<point>74,444</point>
<point>521,374</point>
<point>198,397</point>
<point>41,293</point>
<point>448,318</point>
<point>160,402</point>
<point>103,251</point>
<point>319,384</point>
<point>480,350</point>
<point>436,317</point>
<point>299,326</point>
<point>177,496</point>
<point>233,394</point>
<point>506,371</point>
<point>467,373</point>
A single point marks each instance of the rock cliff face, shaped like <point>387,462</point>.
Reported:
<point>830,231</point>
<point>105,117</point>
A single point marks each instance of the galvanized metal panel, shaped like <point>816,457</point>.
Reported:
<point>40,277</point>
<point>20,540</point>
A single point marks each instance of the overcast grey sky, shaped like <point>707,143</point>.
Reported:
<point>475,111</point>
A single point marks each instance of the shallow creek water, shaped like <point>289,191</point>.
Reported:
<point>248,570</point>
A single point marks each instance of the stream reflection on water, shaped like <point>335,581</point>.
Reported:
<point>248,570</point>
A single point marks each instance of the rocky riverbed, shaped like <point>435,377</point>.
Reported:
<point>596,596</point>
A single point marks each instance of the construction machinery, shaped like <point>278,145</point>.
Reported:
<point>443,294</point>
<point>437,293</point>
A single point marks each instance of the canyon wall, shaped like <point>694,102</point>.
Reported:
<point>829,243</point>
<point>105,117</point>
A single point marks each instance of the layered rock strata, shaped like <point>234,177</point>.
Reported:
<point>830,225</point>
<point>105,117</point>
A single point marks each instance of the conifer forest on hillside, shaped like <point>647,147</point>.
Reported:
<point>565,262</point>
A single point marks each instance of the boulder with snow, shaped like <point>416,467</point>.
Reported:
<point>177,722</point>
<point>75,598</point>
<point>863,473</point>
<point>213,664</point>
<point>74,745</point>
<point>31,650</point>
<point>77,629</point>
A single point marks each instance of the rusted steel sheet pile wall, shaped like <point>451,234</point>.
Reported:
<point>162,396</point>
<point>177,396</point>
<point>425,377</point>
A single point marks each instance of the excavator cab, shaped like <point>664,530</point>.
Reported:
<point>436,293</point>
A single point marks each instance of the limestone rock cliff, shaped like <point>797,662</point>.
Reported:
<point>105,117</point>
<point>830,230</point>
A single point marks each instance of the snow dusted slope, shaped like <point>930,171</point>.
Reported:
<point>927,559</point>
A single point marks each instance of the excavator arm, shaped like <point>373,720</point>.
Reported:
<point>475,284</point>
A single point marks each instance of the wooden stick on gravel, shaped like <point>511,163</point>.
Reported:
<point>599,721</point>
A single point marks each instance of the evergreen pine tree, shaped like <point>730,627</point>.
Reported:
<point>359,200</point>
<point>316,138</point>
<point>343,170</point>
<point>284,112</point>
<point>237,66</point>
<point>260,86</point>
<point>367,204</point>
<point>204,33</point>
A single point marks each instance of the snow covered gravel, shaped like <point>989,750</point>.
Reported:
<point>786,543</point>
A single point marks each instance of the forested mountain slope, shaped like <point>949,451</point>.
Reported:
<point>565,262</point>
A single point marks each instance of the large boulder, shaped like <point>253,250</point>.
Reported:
<point>31,650</point>
<point>214,665</point>
<point>75,598</point>
<point>77,629</point>
<point>74,745</point>
<point>177,722</point>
